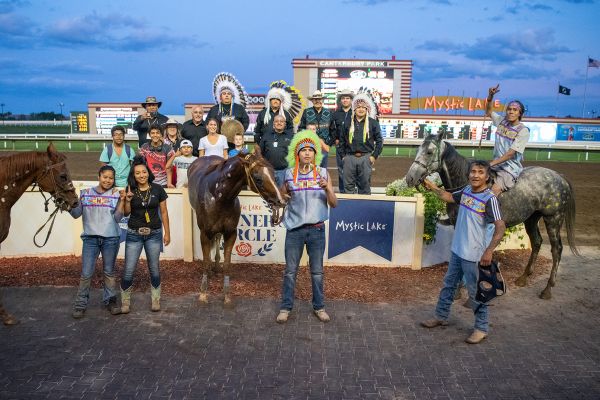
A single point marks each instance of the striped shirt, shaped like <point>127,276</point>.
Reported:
<point>475,222</point>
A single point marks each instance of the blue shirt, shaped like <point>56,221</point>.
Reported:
<point>308,202</point>
<point>474,225</point>
<point>121,164</point>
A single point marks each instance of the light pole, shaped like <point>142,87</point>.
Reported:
<point>61,105</point>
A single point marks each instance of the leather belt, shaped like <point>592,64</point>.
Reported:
<point>359,154</point>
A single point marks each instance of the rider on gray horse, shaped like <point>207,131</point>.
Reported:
<point>511,138</point>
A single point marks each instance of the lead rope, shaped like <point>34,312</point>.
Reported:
<point>51,217</point>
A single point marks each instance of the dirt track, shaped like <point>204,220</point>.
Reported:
<point>583,176</point>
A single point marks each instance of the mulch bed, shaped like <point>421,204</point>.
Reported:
<point>361,284</point>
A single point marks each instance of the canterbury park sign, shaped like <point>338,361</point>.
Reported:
<point>452,103</point>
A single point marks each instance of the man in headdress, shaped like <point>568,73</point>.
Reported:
<point>231,103</point>
<point>511,138</point>
<point>149,119</point>
<point>360,145</point>
<point>274,106</point>
<point>321,116</point>
<point>304,218</point>
<point>194,129</point>
<point>340,119</point>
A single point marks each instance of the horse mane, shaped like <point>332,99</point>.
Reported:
<point>20,163</point>
<point>457,165</point>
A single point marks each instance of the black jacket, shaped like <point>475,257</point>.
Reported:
<point>194,132</point>
<point>339,120</point>
<point>274,147</point>
<point>322,120</point>
<point>142,126</point>
<point>239,113</point>
<point>260,128</point>
<point>372,146</point>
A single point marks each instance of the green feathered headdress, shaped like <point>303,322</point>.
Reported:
<point>302,139</point>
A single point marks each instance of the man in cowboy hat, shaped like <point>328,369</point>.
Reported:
<point>147,120</point>
<point>360,145</point>
<point>264,121</point>
<point>340,119</point>
<point>321,116</point>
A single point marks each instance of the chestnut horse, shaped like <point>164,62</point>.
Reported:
<point>47,170</point>
<point>214,185</point>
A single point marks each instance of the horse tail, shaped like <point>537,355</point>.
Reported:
<point>570,220</point>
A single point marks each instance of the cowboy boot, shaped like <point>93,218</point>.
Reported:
<point>126,300</point>
<point>155,295</point>
<point>110,284</point>
<point>81,300</point>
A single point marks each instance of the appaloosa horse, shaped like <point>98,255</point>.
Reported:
<point>47,170</point>
<point>538,193</point>
<point>214,185</point>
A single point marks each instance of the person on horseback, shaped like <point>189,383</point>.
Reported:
<point>479,229</point>
<point>511,138</point>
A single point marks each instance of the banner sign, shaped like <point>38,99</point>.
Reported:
<point>578,132</point>
<point>372,228</point>
<point>452,103</point>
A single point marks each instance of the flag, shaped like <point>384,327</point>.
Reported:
<point>593,63</point>
<point>564,90</point>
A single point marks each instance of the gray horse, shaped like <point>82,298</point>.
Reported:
<point>539,193</point>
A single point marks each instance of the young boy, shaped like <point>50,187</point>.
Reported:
<point>238,141</point>
<point>156,154</point>
<point>182,160</point>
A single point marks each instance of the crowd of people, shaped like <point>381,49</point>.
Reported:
<point>133,185</point>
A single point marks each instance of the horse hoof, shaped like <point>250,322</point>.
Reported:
<point>203,298</point>
<point>546,294</point>
<point>228,303</point>
<point>521,281</point>
<point>10,320</point>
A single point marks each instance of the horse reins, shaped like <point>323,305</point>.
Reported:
<point>57,202</point>
<point>440,164</point>
<point>252,184</point>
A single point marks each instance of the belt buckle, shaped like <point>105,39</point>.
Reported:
<point>357,154</point>
<point>144,231</point>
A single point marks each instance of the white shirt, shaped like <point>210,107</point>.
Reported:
<point>216,149</point>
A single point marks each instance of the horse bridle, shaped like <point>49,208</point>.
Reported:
<point>58,202</point>
<point>252,184</point>
<point>438,147</point>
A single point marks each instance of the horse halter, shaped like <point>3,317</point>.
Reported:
<point>54,195</point>
<point>437,158</point>
<point>254,187</point>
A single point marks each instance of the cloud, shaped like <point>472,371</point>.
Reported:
<point>16,31</point>
<point>350,51</point>
<point>41,85</point>
<point>7,6</point>
<point>530,44</point>
<point>17,68</point>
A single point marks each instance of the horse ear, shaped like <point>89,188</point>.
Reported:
<point>51,150</point>
<point>257,150</point>
<point>439,136</point>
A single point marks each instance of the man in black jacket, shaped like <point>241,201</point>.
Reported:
<point>273,108</point>
<point>320,116</point>
<point>151,118</point>
<point>274,147</point>
<point>360,145</point>
<point>226,108</point>
<point>341,118</point>
<point>194,129</point>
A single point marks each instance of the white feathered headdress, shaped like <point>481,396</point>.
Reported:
<point>226,81</point>
<point>363,99</point>
<point>290,97</point>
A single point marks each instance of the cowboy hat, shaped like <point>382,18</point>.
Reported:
<point>316,95</point>
<point>151,100</point>
<point>170,121</point>
<point>346,92</point>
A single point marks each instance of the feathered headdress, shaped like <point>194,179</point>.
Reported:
<point>363,99</point>
<point>226,81</point>
<point>302,139</point>
<point>291,99</point>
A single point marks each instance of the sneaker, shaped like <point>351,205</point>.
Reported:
<point>322,315</point>
<point>476,337</point>
<point>432,323</point>
<point>78,313</point>
<point>282,317</point>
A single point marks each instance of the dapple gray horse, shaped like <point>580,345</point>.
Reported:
<point>538,193</point>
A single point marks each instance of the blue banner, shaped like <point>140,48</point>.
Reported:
<point>365,223</point>
<point>578,132</point>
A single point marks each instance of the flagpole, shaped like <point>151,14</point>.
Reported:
<point>585,87</point>
<point>556,107</point>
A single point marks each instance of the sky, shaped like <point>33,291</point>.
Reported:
<point>75,52</point>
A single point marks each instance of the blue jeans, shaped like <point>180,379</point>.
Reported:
<point>152,245</point>
<point>324,161</point>
<point>280,177</point>
<point>457,268</point>
<point>93,246</point>
<point>313,236</point>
